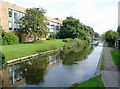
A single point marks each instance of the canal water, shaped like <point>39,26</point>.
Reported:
<point>60,69</point>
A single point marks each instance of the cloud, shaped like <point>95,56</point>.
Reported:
<point>101,15</point>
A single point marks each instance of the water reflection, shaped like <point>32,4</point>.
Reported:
<point>60,69</point>
<point>34,70</point>
<point>15,73</point>
<point>76,54</point>
<point>31,72</point>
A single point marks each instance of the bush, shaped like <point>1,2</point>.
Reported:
<point>81,42</point>
<point>9,39</point>
<point>67,40</point>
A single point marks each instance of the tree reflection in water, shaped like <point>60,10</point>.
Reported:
<point>34,70</point>
<point>71,56</point>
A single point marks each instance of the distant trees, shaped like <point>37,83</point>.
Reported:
<point>72,28</point>
<point>34,23</point>
<point>110,37</point>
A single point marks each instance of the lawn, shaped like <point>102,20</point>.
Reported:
<point>102,63</point>
<point>92,82</point>
<point>26,49</point>
<point>115,57</point>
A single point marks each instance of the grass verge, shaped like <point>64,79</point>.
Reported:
<point>115,57</point>
<point>92,82</point>
<point>26,49</point>
<point>102,63</point>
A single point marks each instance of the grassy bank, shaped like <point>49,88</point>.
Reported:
<point>26,49</point>
<point>102,63</point>
<point>115,57</point>
<point>92,82</point>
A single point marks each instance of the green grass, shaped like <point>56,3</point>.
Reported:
<point>115,57</point>
<point>26,49</point>
<point>92,82</point>
<point>102,63</point>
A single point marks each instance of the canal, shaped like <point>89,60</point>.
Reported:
<point>60,69</point>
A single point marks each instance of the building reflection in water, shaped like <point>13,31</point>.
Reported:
<point>29,72</point>
<point>15,73</point>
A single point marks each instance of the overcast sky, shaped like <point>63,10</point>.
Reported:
<point>101,15</point>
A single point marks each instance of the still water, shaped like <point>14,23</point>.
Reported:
<point>60,69</point>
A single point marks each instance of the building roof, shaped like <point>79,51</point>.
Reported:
<point>54,19</point>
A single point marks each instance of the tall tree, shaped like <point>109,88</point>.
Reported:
<point>34,23</point>
<point>72,28</point>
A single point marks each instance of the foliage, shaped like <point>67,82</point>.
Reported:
<point>74,43</point>
<point>72,28</point>
<point>110,37</point>
<point>80,42</point>
<point>34,23</point>
<point>9,38</point>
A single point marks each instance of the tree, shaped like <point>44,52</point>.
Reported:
<point>72,28</point>
<point>110,37</point>
<point>34,23</point>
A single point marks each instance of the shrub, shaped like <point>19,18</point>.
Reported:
<point>81,42</point>
<point>70,43</point>
<point>9,38</point>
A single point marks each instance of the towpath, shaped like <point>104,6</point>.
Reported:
<point>110,72</point>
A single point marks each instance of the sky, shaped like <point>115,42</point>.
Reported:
<point>101,15</point>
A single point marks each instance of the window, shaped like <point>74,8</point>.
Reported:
<point>15,14</point>
<point>10,25</point>
<point>57,27</point>
<point>10,12</point>
<point>20,14</point>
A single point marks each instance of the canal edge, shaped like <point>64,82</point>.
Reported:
<point>99,64</point>
<point>32,56</point>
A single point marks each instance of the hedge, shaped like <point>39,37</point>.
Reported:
<point>9,38</point>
